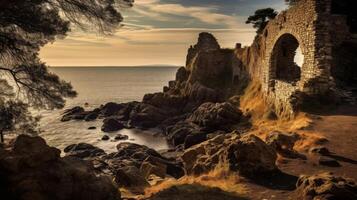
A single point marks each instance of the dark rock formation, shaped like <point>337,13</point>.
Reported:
<point>83,150</point>
<point>248,155</point>
<point>112,124</point>
<point>130,166</point>
<point>105,138</point>
<point>121,137</point>
<point>110,109</point>
<point>30,169</point>
<point>325,186</point>
<point>284,143</point>
<point>330,162</point>
<point>191,107</point>
<point>215,116</point>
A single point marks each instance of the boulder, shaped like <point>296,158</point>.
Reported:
<point>248,155</point>
<point>121,137</point>
<point>325,186</point>
<point>111,125</point>
<point>153,166</point>
<point>251,156</point>
<point>105,138</point>
<point>216,115</point>
<point>130,176</point>
<point>34,151</point>
<point>30,169</point>
<point>284,143</point>
<point>111,109</point>
<point>83,150</point>
<point>146,116</point>
<point>91,116</point>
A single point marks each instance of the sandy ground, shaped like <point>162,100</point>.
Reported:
<point>339,127</point>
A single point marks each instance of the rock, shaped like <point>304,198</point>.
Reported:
<point>212,69</point>
<point>216,115</point>
<point>325,186</point>
<point>130,176</point>
<point>182,74</point>
<point>73,110</point>
<point>83,150</point>
<point>121,137</point>
<point>206,42</point>
<point>194,138</point>
<point>284,143</point>
<point>198,94</point>
<point>30,169</point>
<point>91,116</point>
<point>76,113</point>
<point>248,155</point>
<point>164,101</point>
<point>280,141</point>
<point>320,150</point>
<point>111,109</point>
<point>136,155</point>
<point>111,125</point>
<point>34,151</point>
<point>153,166</point>
<point>251,156</point>
<point>178,133</point>
<point>105,137</point>
<point>146,116</point>
<point>330,162</point>
<point>92,128</point>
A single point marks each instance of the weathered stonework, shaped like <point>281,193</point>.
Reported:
<point>310,26</point>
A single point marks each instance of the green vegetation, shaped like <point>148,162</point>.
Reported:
<point>261,18</point>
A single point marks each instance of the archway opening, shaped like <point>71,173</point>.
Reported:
<point>287,59</point>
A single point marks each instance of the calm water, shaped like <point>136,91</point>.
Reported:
<point>97,86</point>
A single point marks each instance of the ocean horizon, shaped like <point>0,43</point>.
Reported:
<point>97,86</point>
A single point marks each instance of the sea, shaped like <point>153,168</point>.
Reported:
<point>97,86</point>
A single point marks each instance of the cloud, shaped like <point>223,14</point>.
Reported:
<point>136,47</point>
<point>157,10</point>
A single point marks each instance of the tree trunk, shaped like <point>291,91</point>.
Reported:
<point>2,136</point>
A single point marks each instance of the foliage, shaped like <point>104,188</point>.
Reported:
<point>291,2</point>
<point>261,18</point>
<point>25,27</point>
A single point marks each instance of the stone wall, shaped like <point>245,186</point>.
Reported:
<point>317,32</point>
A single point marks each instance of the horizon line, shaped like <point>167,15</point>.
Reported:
<point>158,65</point>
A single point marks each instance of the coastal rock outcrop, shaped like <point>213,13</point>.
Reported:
<point>325,186</point>
<point>112,124</point>
<point>130,166</point>
<point>30,169</point>
<point>248,155</point>
<point>191,107</point>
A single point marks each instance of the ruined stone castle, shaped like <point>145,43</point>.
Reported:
<point>320,33</point>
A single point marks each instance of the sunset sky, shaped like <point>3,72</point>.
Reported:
<point>159,32</point>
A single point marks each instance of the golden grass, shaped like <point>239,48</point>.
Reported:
<point>253,103</point>
<point>220,178</point>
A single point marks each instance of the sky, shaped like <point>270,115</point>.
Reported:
<point>159,32</point>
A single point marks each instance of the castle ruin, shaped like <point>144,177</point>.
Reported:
<point>318,30</point>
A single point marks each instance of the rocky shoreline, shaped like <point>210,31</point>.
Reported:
<point>199,115</point>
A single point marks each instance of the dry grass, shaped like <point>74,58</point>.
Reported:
<point>254,104</point>
<point>220,178</point>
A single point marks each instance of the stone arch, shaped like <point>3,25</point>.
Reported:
<point>283,65</point>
